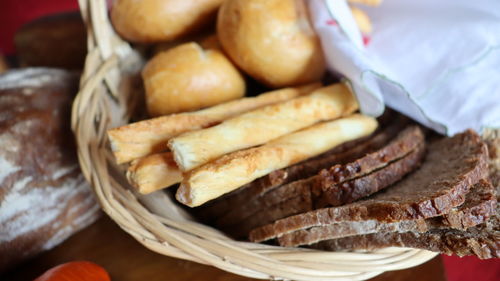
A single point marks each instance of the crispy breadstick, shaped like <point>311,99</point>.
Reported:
<point>367,2</point>
<point>261,125</point>
<point>362,20</point>
<point>142,138</point>
<point>238,168</point>
<point>154,172</point>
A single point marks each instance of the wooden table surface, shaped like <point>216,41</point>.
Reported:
<point>104,243</point>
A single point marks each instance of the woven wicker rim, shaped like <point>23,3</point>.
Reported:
<point>154,220</point>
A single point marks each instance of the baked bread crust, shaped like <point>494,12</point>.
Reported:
<point>344,182</point>
<point>479,206</point>
<point>44,198</point>
<point>261,125</point>
<point>231,171</point>
<point>143,138</point>
<point>451,167</point>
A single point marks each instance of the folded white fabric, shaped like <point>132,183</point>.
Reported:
<point>435,61</point>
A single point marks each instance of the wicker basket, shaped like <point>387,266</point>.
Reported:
<point>155,221</point>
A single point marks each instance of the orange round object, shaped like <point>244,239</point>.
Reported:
<point>75,271</point>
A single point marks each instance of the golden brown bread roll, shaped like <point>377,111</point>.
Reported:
<point>271,40</point>
<point>149,21</point>
<point>187,78</point>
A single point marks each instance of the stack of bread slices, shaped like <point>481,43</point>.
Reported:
<point>363,195</point>
<point>298,167</point>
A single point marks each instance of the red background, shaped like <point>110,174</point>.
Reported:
<point>14,13</point>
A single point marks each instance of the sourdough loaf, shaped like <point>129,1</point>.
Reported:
<point>451,167</point>
<point>43,196</point>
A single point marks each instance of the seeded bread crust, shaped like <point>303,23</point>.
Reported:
<point>482,241</point>
<point>452,166</point>
<point>479,206</point>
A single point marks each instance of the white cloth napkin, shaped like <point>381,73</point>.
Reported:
<point>435,61</point>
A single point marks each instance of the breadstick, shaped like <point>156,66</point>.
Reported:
<point>367,2</point>
<point>231,171</point>
<point>154,172</point>
<point>362,20</point>
<point>261,125</point>
<point>142,138</point>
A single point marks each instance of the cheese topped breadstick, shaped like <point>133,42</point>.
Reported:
<point>231,171</point>
<point>261,125</point>
<point>154,172</point>
<point>142,138</point>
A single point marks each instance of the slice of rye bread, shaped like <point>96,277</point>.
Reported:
<point>344,153</point>
<point>452,166</point>
<point>327,183</point>
<point>304,196</point>
<point>479,206</point>
<point>482,241</point>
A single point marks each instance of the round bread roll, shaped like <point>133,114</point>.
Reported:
<point>271,40</point>
<point>149,21</point>
<point>187,78</point>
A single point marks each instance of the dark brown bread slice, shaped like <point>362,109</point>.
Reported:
<point>478,207</point>
<point>303,199</point>
<point>451,167</point>
<point>344,153</point>
<point>326,184</point>
<point>482,241</point>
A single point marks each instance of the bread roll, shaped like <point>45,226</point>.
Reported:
<point>271,40</point>
<point>238,168</point>
<point>187,78</point>
<point>261,125</point>
<point>150,21</point>
<point>142,138</point>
